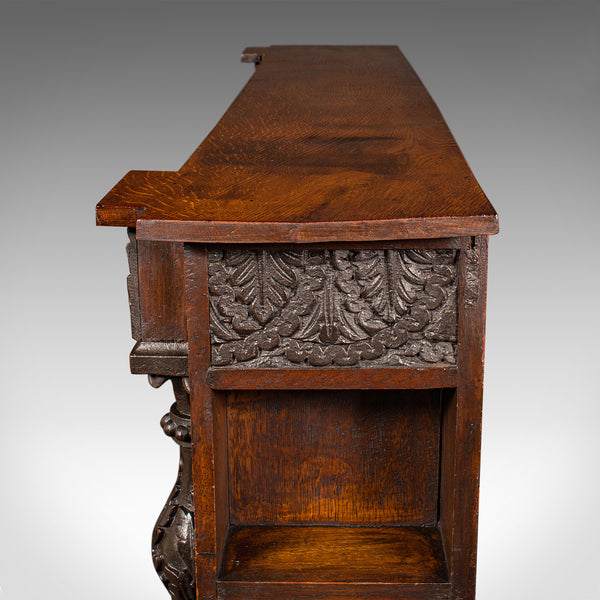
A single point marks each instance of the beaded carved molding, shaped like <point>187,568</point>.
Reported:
<point>318,308</point>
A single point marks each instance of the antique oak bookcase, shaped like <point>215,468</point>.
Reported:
<point>313,283</point>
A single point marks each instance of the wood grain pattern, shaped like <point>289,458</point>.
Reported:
<point>162,291</point>
<point>331,457</point>
<point>399,244</point>
<point>236,590</point>
<point>243,232</point>
<point>461,442</point>
<point>202,419</point>
<point>221,446</point>
<point>341,226</point>
<point>324,143</point>
<point>367,378</point>
<point>334,555</point>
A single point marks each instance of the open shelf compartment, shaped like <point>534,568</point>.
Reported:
<point>331,494</point>
<point>330,561</point>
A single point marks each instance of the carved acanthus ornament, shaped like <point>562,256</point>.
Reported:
<point>173,536</point>
<point>285,308</point>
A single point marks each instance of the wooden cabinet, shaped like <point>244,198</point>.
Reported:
<point>313,282</point>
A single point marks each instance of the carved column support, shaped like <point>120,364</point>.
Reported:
<point>173,536</point>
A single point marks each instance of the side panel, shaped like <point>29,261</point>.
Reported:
<point>162,291</point>
<point>461,429</point>
<point>206,416</point>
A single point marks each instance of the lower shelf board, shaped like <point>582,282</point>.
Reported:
<point>276,562</point>
<point>332,378</point>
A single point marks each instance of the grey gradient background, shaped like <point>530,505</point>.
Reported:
<point>90,90</point>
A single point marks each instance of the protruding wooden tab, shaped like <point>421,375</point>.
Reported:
<point>252,55</point>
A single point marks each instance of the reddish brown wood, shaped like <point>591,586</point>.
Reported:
<point>399,244</point>
<point>234,590</point>
<point>202,419</point>
<point>162,291</point>
<point>366,378</point>
<point>314,481</point>
<point>206,573</point>
<point>324,143</point>
<point>334,457</point>
<point>447,469</point>
<point>221,471</point>
<point>461,442</point>
<point>334,555</point>
<point>244,232</point>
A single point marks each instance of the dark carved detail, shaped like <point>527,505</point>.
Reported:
<point>173,537</point>
<point>167,358</point>
<point>277,308</point>
<point>471,294</point>
<point>133,286</point>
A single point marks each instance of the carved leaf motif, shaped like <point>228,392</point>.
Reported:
<point>378,273</point>
<point>263,280</point>
<point>333,307</point>
<point>173,549</point>
<point>331,319</point>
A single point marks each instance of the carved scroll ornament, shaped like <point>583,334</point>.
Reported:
<point>286,308</point>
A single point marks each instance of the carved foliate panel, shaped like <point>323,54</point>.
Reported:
<point>286,308</point>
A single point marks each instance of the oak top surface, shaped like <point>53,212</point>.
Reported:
<point>323,143</point>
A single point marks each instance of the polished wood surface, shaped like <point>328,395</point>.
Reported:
<point>334,457</point>
<point>161,291</point>
<point>367,378</point>
<point>313,281</point>
<point>461,436</point>
<point>209,500</point>
<point>334,554</point>
<point>324,143</point>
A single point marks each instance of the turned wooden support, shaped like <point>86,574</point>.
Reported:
<point>173,536</point>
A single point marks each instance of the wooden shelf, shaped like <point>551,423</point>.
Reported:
<point>327,378</point>
<point>313,561</point>
<point>313,282</point>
